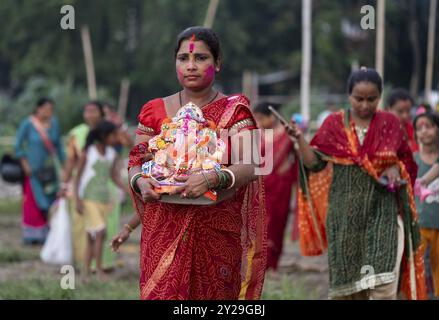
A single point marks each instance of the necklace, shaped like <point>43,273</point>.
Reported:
<point>213,99</point>
<point>361,133</point>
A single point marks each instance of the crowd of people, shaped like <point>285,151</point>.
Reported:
<point>85,170</point>
<point>365,188</point>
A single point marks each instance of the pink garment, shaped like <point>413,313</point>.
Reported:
<point>32,215</point>
<point>422,191</point>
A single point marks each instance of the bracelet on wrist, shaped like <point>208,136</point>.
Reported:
<point>209,186</point>
<point>127,226</point>
<point>232,177</point>
<point>223,179</point>
<point>133,182</point>
<point>226,180</point>
<point>220,180</point>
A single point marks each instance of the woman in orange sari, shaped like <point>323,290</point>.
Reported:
<point>356,199</point>
<point>189,251</point>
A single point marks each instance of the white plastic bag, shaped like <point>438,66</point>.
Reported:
<point>58,246</point>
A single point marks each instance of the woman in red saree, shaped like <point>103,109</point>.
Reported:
<point>371,230</point>
<point>279,183</point>
<point>200,252</point>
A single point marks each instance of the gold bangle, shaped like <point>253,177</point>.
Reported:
<point>130,229</point>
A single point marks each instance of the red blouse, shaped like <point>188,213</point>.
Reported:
<point>154,112</point>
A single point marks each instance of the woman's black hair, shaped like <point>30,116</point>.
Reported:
<point>365,75</point>
<point>399,94</point>
<point>100,133</point>
<point>262,108</point>
<point>431,116</point>
<point>41,102</point>
<point>98,104</point>
<point>208,36</point>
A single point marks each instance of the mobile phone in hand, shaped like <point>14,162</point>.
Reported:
<point>277,115</point>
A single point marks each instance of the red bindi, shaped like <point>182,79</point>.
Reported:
<point>423,122</point>
<point>192,44</point>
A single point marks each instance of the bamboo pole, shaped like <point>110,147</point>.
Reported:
<point>430,50</point>
<point>305,80</point>
<point>123,98</point>
<point>89,65</point>
<point>211,13</point>
<point>380,38</point>
<point>416,51</point>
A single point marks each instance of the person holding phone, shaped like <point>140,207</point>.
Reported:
<point>371,232</point>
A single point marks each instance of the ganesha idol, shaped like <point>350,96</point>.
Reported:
<point>187,144</point>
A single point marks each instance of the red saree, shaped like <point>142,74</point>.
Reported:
<point>410,131</point>
<point>278,187</point>
<point>202,252</point>
<point>385,145</point>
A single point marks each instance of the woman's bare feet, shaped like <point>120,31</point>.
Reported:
<point>85,277</point>
<point>102,276</point>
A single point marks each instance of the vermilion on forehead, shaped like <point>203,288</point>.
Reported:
<point>192,44</point>
<point>198,47</point>
<point>423,122</point>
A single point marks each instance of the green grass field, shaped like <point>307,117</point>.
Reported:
<point>10,207</point>
<point>24,276</point>
<point>50,288</point>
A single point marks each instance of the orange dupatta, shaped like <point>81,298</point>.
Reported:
<point>337,143</point>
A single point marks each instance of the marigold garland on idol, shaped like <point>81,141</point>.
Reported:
<point>187,144</point>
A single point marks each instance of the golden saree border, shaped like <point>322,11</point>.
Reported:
<point>142,129</point>
<point>254,242</point>
<point>242,124</point>
<point>165,261</point>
